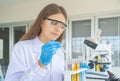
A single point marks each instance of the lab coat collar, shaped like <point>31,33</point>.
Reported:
<point>37,44</point>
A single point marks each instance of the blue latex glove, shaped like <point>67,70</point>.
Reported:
<point>84,65</point>
<point>48,50</point>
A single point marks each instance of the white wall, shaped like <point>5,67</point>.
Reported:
<point>29,10</point>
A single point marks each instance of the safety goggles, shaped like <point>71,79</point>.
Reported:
<point>56,23</point>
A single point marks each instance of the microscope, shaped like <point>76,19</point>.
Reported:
<point>100,61</point>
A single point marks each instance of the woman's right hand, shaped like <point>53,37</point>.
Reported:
<point>48,50</point>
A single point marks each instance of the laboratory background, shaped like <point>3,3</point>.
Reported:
<point>96,20</point>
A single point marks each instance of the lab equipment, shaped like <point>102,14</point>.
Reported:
<point>99,61</point>
<point>112,77</point>
<point>48,50</point>
<point>75,70</point>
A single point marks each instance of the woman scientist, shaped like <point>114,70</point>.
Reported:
<point>38,55</point>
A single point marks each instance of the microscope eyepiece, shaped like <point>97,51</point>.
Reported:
<point>90,44</point>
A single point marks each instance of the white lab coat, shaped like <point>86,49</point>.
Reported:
<point>23,65</point>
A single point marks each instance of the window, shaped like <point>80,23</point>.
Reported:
<point>9,35</point>
<point>81,29</point>
<point>19,31</point>
<point>4,46</point>
<point>110,27</point>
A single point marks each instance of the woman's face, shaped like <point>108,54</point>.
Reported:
<point>52,27</point>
